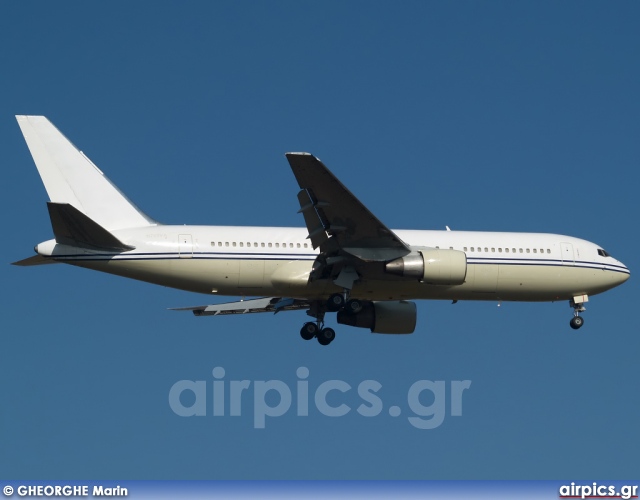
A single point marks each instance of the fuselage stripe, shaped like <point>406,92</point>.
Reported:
<point>311,257</point>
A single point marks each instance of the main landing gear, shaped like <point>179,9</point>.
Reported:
<point>339,301</point>
<point>316,328</point>
<point>335,303</point>
<point>324,335</point>
<point>578,306</point>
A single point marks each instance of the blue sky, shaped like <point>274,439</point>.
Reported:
<point>499,116</point>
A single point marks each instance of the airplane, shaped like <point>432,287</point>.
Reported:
<point>345,260</point>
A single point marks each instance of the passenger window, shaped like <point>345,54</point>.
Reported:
<point>535,250</point>
<point>298,245</point>
<point>499,250</point>
<point>486,249</point>
<point>226,243</point>
<point>493,249</point>
<point>241,244</point>
<point>528,251</point>
<point>305,245</point>
<point>277,245</point>
<point>234,243</point>
<point>262,245</point>
<point>506,250</point>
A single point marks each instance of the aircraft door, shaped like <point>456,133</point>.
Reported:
<point>567,254</point>
<point>185,246</point>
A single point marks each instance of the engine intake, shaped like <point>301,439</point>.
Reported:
<point>383,317</point>
<point>432,266</point>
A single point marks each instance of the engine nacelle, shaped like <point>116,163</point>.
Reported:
<point>383,317</point>
<point>432,266</point>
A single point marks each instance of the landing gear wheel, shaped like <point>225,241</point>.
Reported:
<point>576,322</point>
<point>326,336</point>
<point>335,302</point>
<point>308,331</point>
<point>354,306</point>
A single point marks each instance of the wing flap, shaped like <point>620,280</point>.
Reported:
<point>265,304</point>
<point>315,226</point>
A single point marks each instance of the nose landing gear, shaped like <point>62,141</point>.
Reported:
<point>576,322</point>
<point>578,306</point>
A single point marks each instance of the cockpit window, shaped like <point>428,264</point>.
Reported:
<point>603,253</point>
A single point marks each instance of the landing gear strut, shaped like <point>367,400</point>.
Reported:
<point>577,321</point>
<point>336,302</point>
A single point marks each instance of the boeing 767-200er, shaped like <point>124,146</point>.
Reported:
<point>345,261</point>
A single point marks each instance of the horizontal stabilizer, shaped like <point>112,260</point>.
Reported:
<point>36,260</point>
<point>266,304</point>
<point>72,227</point>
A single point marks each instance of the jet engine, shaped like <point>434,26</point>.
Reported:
<point>383,317</point>
<point>432,266</point>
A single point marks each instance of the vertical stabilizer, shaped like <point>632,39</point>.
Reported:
<point>70,177</point>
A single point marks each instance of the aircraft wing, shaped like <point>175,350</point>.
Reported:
<point>265,304</point>
<point>336,219</point>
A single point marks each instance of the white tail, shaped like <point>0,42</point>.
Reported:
<point>70,177</point>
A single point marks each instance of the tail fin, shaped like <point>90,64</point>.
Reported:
<point>70,177</point>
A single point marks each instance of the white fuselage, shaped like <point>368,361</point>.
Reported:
<point>276,261</point>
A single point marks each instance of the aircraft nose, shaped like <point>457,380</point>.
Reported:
<point>623,275</point>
